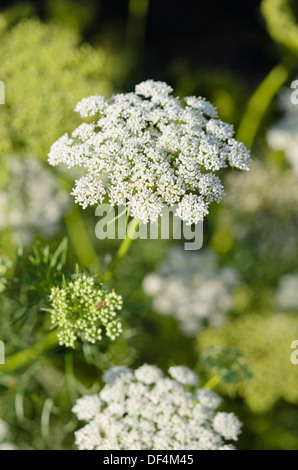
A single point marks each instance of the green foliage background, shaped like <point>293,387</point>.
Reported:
<point>49,61</point>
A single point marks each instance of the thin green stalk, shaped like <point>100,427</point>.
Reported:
<point>28,355</point>
<point>117,217</point>
<point>10,249</point>
<point>78,233</point>
<point>123,249</point>
<point>212,382</point>
<point>45,418</point>
<point>281,23</point>
<point>260,102</point>
<point>80,240</point>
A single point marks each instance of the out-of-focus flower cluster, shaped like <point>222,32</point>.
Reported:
<point>265,340</point>
<point>143,409</point>
<point>149,149</point>
<point>3,435</point>
<point>82,308</point>
<point>284,134</point>
<point>255,195</point>
<point>192,288</point>
<point>261,214</point>
<point>49,73</point>
<point>287,292</point>
<point>30,198</point>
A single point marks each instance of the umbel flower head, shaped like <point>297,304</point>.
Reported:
<point>286,295</point>
<point>82,308</point>
<point>283,135</point>
<point>30,198</point>
<point>261,214</point>
<point>145,410</point>
<point>149,149</point>
<point>192,288</point>
<point>47,60</point>
<point>274,377</point>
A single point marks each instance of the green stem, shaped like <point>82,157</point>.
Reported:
<point>78,233</point>
<point>123,249</point>
<point>212,382</point>
<point>26,356</point>
<point>281,23</point>
<point>80,240</point>
<point>10,249</point>
<point>259,103</point>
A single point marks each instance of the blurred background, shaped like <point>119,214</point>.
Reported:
<point>229,310</point>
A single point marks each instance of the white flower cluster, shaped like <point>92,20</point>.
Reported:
<point>3,434</point>
<point>30,199</point>
<point>287,292</point>
<point>148,149</point>
<point>265,205</point>
<point>192,288</point>
<point>268,189</point>
<point>5,265</point>
<point>82,309</point>
<point>284,134</point>
<point>145,410</point>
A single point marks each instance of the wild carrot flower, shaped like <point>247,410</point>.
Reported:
<point>83,308</point>
<point>286,296</point>
<point>261,213</point>
<point>274,378</point>
<point>283,135</point>
<point>192,288</point>
<point>150,149</point>
<point>143,409</point>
